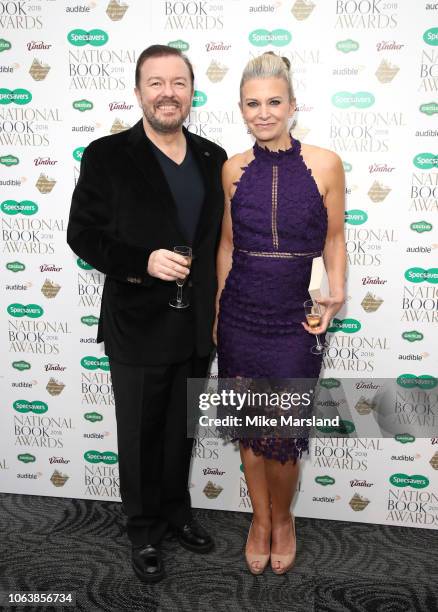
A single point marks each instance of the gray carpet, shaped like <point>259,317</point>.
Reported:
<point>66,544</point>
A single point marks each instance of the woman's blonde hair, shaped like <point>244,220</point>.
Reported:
<point>268,65</point>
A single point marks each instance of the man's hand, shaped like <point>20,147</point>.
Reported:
<point>167,265</point>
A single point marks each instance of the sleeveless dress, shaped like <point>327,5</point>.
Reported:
<point>279,224</point>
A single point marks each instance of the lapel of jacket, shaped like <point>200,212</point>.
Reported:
<point>143,158</point>
<point>207,167</point>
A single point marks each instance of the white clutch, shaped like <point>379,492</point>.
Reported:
<point>319,285</point>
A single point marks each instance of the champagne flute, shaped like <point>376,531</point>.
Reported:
<point>178,302</point>
<point>313,312</point>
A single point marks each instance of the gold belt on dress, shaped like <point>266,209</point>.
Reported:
<point>278,254</point>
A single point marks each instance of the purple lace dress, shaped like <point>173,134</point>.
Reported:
<point>279,225</point>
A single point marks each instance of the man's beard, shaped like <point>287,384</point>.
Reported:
<point>164,127</point>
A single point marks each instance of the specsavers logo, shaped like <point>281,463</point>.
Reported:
<point>95,363</point>
<point>420,275</point>
<point>355,217</point>
<point>108,457</point>
<point>348,326</point>
<point>25,207</point>
<point>33,311</point>
<point>23,406</point>
<point>410,381</point>
<point>80,38</point>
<point>262,38</point>
<point>346,99</point>
<point>426,161</point>
<point>15,96</point>
<point>417,481</point>
<point>431,36</point>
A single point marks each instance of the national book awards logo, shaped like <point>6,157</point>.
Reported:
<point>411,501</point>
<point>101,473</point>
<point>90,285</point>
<point>192,15</point>
<point>25,233</point>
<point>18,15</point>
<point>28,333</point>
<point>366,15</point>
<point>34,428</point>
<point>344,453</point>
<point>96,385</point>
<point>94,66</point>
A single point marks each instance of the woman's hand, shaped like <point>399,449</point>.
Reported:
<point>214,334</point>
<point>331,306</point>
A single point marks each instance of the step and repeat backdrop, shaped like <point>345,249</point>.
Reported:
<point>366,78</point>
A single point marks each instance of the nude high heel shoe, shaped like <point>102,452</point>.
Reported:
<point>256,562</point>
<point>282,563</point>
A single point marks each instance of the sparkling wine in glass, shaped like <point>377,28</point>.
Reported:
<point>313,312</point>
<point>178,302</point>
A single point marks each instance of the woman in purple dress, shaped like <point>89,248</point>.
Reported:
<point>284,206</point>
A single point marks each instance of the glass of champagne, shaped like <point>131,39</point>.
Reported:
<point>178,302</point>
<point>313,312</point>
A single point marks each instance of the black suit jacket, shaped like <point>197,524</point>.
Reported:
<point>122,210</point>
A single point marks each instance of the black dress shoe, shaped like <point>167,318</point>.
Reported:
<point>193,537</point>
<point>147,563</point>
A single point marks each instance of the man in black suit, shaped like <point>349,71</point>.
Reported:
<point>140,193</point>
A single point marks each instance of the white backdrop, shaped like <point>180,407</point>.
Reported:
<point>366,77</point>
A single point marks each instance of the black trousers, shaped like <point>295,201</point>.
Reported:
<point>153,447</point>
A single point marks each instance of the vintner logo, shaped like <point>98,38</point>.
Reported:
<point>23,406</point>
<point>95,363</point>
<point>262,38</point>
<point>33,311</point>
<point>108,457</point>
<point>15,96</point>
<point>420,275</point>
<point>346,99</point>
<point>95,38</point>
<point>25,207</point>
<point>417,481</point>
<point>348,326</point>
